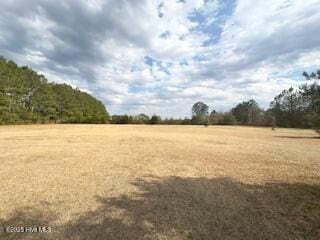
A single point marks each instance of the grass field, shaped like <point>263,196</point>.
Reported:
<point>160,182</point>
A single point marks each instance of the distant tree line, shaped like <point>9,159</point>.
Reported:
<point>299,108</point>
<point>291,108</point>
<point>27,97</point>
<point>144,119</point>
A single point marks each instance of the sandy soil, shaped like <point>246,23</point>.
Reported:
<point>160,182</point>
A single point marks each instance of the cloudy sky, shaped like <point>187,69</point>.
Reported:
<point>161,56</point>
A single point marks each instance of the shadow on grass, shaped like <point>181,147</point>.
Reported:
<point>27,217</point>
<point>193,208</point>
<point>298,137</point>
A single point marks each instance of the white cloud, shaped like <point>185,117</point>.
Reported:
<point>100,46</point>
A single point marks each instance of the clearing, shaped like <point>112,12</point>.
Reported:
<point>160,182</point>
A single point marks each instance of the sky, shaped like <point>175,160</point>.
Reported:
<point>161,56</point>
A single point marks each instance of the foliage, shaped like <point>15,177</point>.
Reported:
<point>214,117</point>
<point>288,109</point>
<point>200,120</point>
<point>135,119</point>
<point>228,119</point>
<point>200,114</point>
<point>313,75</point>
<point>141,119</point>
<point>200,109</point>
<point>155,119</point>
<point>121,119</point>
<point>299,108</point>
<point>27,97</point>
<point>248,113</point>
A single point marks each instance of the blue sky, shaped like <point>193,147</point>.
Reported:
<point>161,56</point>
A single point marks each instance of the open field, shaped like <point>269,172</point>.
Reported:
<point>160,182</point>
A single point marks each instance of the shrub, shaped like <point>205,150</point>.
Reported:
<point>200,120</point>
<point>228,119</point>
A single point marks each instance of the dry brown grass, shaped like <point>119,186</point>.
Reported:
<point>160,182</point>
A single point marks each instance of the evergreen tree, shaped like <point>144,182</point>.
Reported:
<point>27,97</point>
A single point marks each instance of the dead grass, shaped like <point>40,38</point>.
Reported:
<point>160,182</point>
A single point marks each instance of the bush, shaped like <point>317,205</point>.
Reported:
<point>200,120</point>
<point>228,119</point>
<point>121,119</point>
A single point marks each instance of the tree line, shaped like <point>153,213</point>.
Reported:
<point>27,97</point>
<point>298,108</point>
